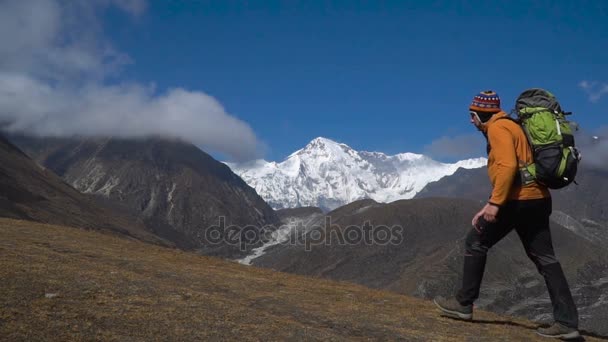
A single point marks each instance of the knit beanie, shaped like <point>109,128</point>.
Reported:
<point>486,101</point>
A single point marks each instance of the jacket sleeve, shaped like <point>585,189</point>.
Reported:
<point>505,160</point>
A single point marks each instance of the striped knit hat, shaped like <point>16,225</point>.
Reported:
<point>486,101</point>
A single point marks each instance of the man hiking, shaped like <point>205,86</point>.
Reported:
<point>511,206</point>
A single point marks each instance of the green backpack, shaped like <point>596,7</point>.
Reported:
<point>550,137</point>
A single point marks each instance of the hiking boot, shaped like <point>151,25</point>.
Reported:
<point>558,330</point>
<point>452,308</point>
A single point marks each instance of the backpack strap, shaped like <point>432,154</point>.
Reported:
<point>523,128</point>
<point>524,176</point>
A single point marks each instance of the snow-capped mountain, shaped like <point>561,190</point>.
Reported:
<point>328,174</point>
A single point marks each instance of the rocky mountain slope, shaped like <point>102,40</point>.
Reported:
<point>581,207</point>
<point>471,184</point>
<point>424,258</point>
<point>60,284</point>
<point>30,192</point>
<point>328,174</point>
<point>293,221</point>
<point>177,189</point>
<point>301,213</point>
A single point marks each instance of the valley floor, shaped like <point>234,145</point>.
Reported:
<point>60,283</point>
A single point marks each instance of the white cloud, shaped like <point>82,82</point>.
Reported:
<point>584,84</point>
<point>595,90</point>
<point>135,7</point>
<point>54,75</point>
<point>456,147</point>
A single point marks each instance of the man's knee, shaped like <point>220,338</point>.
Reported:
<point>542,260</point>
<point>473,245</point>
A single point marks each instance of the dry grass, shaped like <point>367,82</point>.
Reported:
<point>112,289</point>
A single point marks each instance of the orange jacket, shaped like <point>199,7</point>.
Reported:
<point>509,150</point>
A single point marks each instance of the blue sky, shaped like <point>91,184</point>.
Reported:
<point>378,75</point>
<point>391,76</point>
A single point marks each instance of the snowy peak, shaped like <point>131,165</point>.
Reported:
<point>409,156</point>
<point>472,163</point>
<point>329,174</point>
<point>323,147</point>
<point>321,143</point>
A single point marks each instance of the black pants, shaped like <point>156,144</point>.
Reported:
<point>530,218</point>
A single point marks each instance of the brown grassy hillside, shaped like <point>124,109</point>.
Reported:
<point>59,283</point>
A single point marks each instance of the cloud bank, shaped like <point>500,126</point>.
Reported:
<point>595,90</point>
<point>457,147</point>
<point>57,78</point>
<point>594,148</point>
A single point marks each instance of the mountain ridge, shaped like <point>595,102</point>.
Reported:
<point>584,201</point>
<point>329,174</point>
<point>29,191</point>
<point>177,189</point>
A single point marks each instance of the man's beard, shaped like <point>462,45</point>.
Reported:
<point>484,117</point>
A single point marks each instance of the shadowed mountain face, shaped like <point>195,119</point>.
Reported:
<point>470,184</point>
<point>30,192</point>
<point>426,260</point>
<point>298,213</point>
<point>177,189</point>
<point>582,206</point>
<point>588,199</point>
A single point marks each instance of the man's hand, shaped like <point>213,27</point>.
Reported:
<point>477,216</point>
<point>489,212</point>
